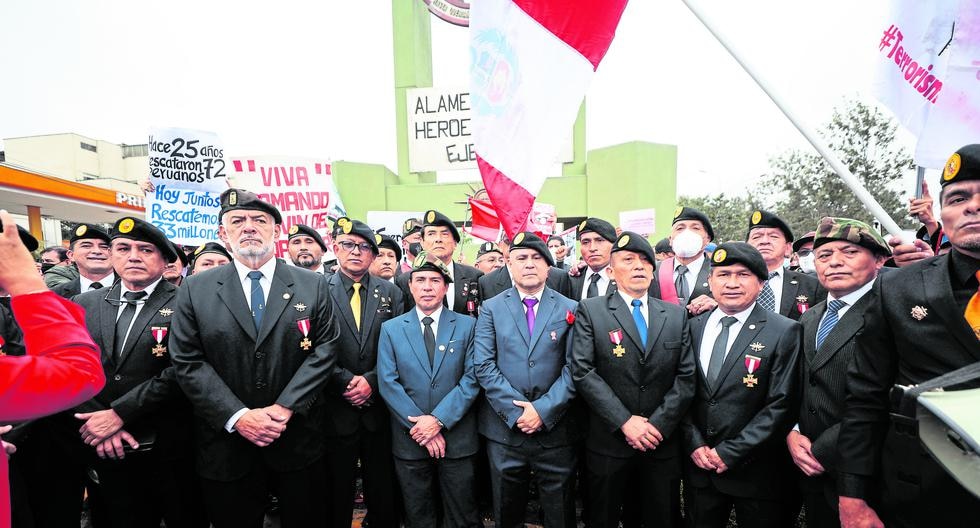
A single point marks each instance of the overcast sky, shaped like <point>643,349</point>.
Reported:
<point>315,78</point>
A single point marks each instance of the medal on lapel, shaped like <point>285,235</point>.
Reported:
<point>616,336</point>
<point>802,304</point>
<point>159,333</point>
<point>304,326</point>
<point>751,364</point>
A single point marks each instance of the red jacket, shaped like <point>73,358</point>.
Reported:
<point>62,368</point>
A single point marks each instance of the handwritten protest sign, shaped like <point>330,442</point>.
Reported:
<point>187,172</point>
<point>301,188</point>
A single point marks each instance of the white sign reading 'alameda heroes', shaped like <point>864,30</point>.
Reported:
<point>439,130</point>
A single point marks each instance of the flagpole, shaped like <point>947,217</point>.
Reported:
<point>828,155</point>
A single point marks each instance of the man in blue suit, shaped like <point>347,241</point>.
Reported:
<point>523,350</point>
<point>425,375</point>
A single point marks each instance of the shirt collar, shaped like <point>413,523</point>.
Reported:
<point>601,273</point>
<point>854,296</point>
<point>536,295</point>
<point>629,300</point>
<point>717,314</point>
<point>962,267</point>
<point>268,269</point>
<point>695,265</point>
<point>149,289</point>
<point>435,315</point>
<point>349,282</point>
<point>85,282</point>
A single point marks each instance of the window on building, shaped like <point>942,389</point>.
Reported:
<point>89,147</point>
<point>135,151</point>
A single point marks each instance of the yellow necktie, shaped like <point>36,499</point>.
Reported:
<point>355,305</point>
<point>972,313</point>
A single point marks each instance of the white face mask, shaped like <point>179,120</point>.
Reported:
<point>807,265</point>
<point>687,244</point>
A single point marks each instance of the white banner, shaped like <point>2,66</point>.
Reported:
<point>301,188</point>
<point>639,221</point>
<point>439,130</point>
<point>187,172</point>
<point>391,221</point>
<point>928,74</point>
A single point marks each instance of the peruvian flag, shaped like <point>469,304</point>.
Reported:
<point>485,225</point>
<point>532,61</point>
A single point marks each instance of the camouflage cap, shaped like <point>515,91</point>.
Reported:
<point>428,262</point>
<point>853,231</point>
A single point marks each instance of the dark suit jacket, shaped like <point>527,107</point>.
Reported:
<point>796,286</point>
<point>823,384</point>
<point>699,288</point>
<point>657,381</point>
<point>465,284</point>
<point>899,348</point>
<point>577,284</point>
<point>498,281</point>
<point>70,289</point>
<point>446,390</point>
<point>11,337</point>
<point>747,426</point>
<point>140,386</point>
<point>514,365</point>
<point>357,354</point>
<point>224,364</point>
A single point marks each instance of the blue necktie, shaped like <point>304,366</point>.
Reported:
<point>641,325</point>
<point>829,320</point>
<point>258,298</point>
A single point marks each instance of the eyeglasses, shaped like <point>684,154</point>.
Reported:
<point>349,246</point>
<point>121,301</point>
<point>804,252</point>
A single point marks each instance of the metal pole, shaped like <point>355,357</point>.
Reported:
<point>920,175</point>
<point>849,179</point>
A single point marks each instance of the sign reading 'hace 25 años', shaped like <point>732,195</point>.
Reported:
<point>440,133</point>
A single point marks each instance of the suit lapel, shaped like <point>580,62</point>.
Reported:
<point>342,303</point>
<point>702,277</point>
<point>843,331</point>
<point>370,300</point>
<point>231,293</point>
<point>459,280</point>
<point>161,294</point>
<point>107,324</point>
<point>791,288</point>
<point>279,295</point>
<point>545,308</point>
<point>810,333</point>
<point>939,292</point>
<point>697,335</point>
<point>577,282</point>
<point>753,325</point>
<point>447,327</point>
<point>624,317</point>
<point>517,312</point>
<point>413,332</point>
<point>657,318</point>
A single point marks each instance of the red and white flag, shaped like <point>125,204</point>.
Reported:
<point>532,61</point>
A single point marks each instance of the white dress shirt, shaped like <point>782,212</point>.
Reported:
<point>86,284</point>
<point>712,329</point>
<point>268,270</point>
<point>644,308</point>
<point>139,306</point>
<point>776,285</point>
<point>536,295</point>
<point>451,291</point>
<point>691,275</point>
<point>602,285</point>
<point>849,299</point>
<point>435,319</point>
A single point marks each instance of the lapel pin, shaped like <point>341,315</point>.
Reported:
<point>442,347</point>
<point>300,307</point>
<point>285,296</point>
<point>166,312</point>
<point>794,281</point>
<point>451,350</point>
<point>704,285</point>
<point>375,295</point>
<point>554,335</point>
<point>751,327</point>
<point>757,346</point>
<point>919,313</point>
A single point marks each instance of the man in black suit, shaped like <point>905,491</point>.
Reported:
<point>633,364</point>
<point>683,278</point>
<point>439,238</point>
<point>788,293</point>
<point>138,422</point>
<point>253,345</point>
<point>357,425</point>
<point>923,323</point>
<point>89,250</point>
<point>849,254</point>
<point>595,237</point>
<point>745,402</point>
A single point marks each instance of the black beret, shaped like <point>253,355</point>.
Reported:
<point>689,213</point>
<point>412,225</point>
<point>803,240</point>
<point>181,255</point>
<point>27,239</point>
<point>597,226</point>
<point>234,199</point>
<point>425,262</point>
<point>630,241</point>
<point>963,165</point>
<point>528,240</point>
<point>305,230</point>
<point>663,246</point>
<point>211,247</point>
<point>347,226</point>
<point>143,231</point>
<point>435,218</point>
<point>88,231</point>
<point>762,218</point>
<point>487,247</point>
<point>385,241</point>
<point>731,253</point>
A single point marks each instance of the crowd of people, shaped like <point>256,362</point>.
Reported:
<point>654,385</point>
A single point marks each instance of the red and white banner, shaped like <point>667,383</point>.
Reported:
<point>302,189</point>
<point>928,73</point>
<point>532,61</point>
